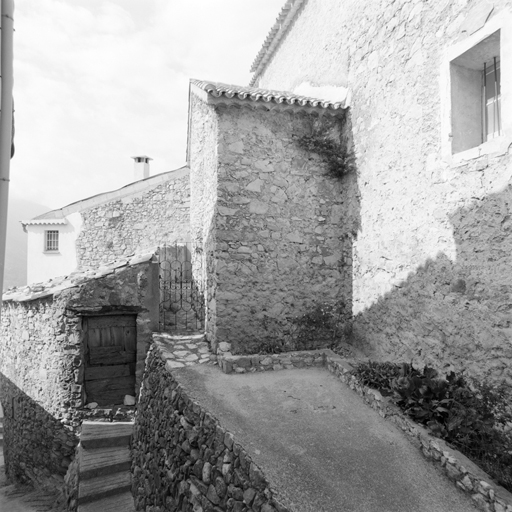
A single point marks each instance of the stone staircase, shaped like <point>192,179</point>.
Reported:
<point>104,469</point>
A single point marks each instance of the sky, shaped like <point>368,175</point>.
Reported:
<point>99,81</point>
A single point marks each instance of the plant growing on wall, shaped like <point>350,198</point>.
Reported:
<point>339,159</point>
<point>323,322</point>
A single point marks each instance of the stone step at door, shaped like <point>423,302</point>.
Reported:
<point>104,467</point>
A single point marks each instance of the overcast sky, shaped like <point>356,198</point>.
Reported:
<point>99,81</point>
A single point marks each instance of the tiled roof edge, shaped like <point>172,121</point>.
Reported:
<point>220,90</point>
<point>43,222</point>
<point>283,21</point>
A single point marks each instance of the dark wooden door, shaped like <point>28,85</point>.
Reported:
<point>110,355</point>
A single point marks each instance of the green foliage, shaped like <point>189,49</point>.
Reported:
<point>475,418</point>
<point>338,158</point>
<point>377,375</point>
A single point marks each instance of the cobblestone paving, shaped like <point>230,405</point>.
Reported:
<point>182,350</point>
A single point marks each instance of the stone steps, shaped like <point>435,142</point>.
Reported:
<point>117,503</point>
<point>104,471</point>
<point>93,489</point>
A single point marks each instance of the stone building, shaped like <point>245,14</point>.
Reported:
<point>148,212</point>
<point>67,344</point>
<point>413,245</point>
<point>429,90</point>
<point>272,227</point>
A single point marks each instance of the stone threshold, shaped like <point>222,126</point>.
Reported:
<point>465,474</point>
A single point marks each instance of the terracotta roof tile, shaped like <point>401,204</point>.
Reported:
<point>37,222</point>
<point>283,21</point>
<point>219,90</point>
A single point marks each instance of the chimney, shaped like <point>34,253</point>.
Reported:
<point>141,167</point>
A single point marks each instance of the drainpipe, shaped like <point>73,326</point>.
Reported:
<point>6,120</point>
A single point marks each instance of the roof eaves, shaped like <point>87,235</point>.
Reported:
<point>44,222</point>
<point>219,93</point>
<point>286,17</point>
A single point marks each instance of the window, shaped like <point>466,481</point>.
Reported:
<point>51,241</point>
<point>475,76</point>
<point>492,99</point>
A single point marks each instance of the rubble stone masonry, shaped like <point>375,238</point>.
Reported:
<point>39,356</point>
<point>203,199</point>
<point>432,278</point>
<point>42,362</point>
<point>183,458</point>
<point>135,223</point>
<point>277,227</point>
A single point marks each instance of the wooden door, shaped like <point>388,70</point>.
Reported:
<point>110,355</point>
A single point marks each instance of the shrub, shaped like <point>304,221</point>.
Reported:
<point>338,158</point>
<point>475,418</point>
<point>377,375</point>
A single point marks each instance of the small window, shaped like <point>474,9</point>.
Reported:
<point>475,75</point>
<point>51,243</point>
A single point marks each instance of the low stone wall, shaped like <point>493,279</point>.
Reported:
<point>487,495</point>
<point>268,362</point>
<point>182,457</point>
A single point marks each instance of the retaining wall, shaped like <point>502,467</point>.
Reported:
<point>184,459</point>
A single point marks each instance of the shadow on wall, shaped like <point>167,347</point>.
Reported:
<point>319,315</point>
<point>453,315</point>
<point>315,311</point>
<point>181,292</point>
<point>38,448</point>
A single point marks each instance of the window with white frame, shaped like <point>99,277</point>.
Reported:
<point>51,241</point>
<point>475,77</point>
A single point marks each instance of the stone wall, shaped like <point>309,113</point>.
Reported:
<point>42,362</point>
<point>135,223</point>
<point>431,271</point>
<point>39,356</point>
<point>281,230</point>
<point>184,459</point>
<point>202,159</point>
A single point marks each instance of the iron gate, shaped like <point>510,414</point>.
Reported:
<point>181,297</point>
